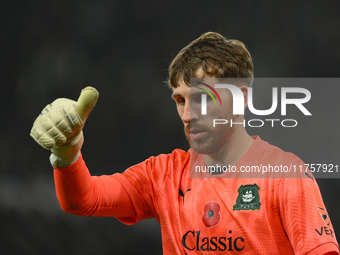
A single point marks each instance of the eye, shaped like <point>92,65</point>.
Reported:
<point>180,100</point>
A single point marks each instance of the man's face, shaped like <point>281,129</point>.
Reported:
<point>203,137</point>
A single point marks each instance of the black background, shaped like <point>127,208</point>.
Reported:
<point>52,49</point>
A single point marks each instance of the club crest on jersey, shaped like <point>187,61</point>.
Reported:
<point>248,198</point>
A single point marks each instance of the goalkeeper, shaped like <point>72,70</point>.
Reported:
<point>197,215</point>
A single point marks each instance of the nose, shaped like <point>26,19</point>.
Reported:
<point>186,113</point>
<point>190,113</point>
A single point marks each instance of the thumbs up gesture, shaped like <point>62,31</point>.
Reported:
<point>59,126</point>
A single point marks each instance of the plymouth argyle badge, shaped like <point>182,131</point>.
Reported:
<point>248,198</point>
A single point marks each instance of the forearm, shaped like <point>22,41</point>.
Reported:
<point>82,194</point>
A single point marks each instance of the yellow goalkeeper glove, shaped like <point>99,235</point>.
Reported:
<point>59,127</point>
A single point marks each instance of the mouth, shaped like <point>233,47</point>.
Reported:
<point>196,134</point>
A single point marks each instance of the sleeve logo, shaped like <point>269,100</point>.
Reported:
<point>248,198</point>
<point>325,230</point>
<point>324,215</point>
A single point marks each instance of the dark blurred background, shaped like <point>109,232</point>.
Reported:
<point>52,49</point>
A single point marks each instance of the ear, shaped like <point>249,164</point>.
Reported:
<point>244,90</point>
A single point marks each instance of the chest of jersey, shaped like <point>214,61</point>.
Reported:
<point>221,215</point>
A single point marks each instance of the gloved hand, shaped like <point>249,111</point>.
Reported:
<point>59,127</point>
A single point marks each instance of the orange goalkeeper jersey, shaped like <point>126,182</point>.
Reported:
<point>208,215</point>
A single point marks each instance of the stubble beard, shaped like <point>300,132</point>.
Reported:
<point>186,132</point>
<point>216,137</point>
<point>209,144</point>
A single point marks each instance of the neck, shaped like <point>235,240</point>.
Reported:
<point>237,145</point>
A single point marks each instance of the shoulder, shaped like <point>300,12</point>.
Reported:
<point>275,162</point>
<point>156,169</point>
<point>163,163</point>
<point>267,152</point>
<point>176,158</point>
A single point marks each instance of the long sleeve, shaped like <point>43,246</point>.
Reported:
<point>82,194</point>
<point>305,217</point>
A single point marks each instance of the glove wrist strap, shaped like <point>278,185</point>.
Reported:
<point>63,162</point>
<point>67,154</point>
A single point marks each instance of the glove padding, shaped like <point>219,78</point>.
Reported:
<point>59,127</point>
